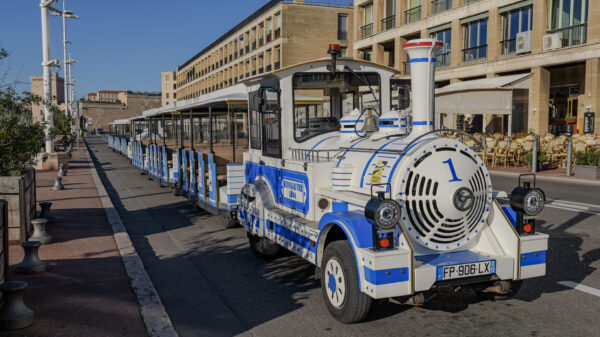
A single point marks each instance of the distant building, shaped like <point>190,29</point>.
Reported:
<point>57,85</point>
<point>168,87</point>
<point>104,112</point>
<point>277,35</point>
<point>107,96</point>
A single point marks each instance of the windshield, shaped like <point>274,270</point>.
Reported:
<point>321,99</point>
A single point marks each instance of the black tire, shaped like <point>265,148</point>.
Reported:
<point>263,247</point>
<point>229,222</point>
<point>355,305</point>
<point>515,286</point>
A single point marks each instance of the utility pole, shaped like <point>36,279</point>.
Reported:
<point>46,64</point>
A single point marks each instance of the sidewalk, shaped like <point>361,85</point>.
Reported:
<point>555,174</point>
<point>85,290</point>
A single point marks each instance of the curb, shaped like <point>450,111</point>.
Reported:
<point>153,312</point>
<point>549,178</point>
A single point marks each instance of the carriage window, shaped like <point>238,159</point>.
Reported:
<point>320,100</point>
<point>254,108</point>
<point>271,124</point>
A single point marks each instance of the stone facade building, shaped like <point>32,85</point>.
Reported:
<point>277,35</point>
<point>104,113</point>
<point>168,85</point>
<point>556,41</point>
<point>57,87</point>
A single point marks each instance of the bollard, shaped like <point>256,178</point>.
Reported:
<point>569,156</point>
<point>61,170</point>
<point>39,231</point>
<point>534,155</point>
<point>15,314</point>
<point>46,213</point>
<point>31,263</point>
<point>58,184</point>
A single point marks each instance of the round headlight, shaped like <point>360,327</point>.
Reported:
<point>384,213</point>
<point>527,200</point>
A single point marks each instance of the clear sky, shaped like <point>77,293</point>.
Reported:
<point>120,44</point>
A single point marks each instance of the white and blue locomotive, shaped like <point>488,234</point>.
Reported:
<point>367,191</point>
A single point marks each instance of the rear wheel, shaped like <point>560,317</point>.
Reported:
<point>339,283</point>
<point>229,222</point>
<point>263,247</point>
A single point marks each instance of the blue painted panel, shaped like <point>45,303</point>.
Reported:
<point>192,173</point>
<point>165,165</point>
<point>213,186</point>
<point>447,259</point>
<point>184,169</point>
<point>533,258</point>
<point>293,236</point>
<point>202,179</point>
<point>355,221</point>
<point>232,198</point>
<point>386,276</point>
<point>339,206</point>
<point>511,215</point>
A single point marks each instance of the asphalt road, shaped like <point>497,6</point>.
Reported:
<point>212,285</point>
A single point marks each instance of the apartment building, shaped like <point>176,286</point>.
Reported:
<point>551,40</point>
<point>57,88</point>
<point>107,96</point>
<point>168,87</point>
<point>277,35</point>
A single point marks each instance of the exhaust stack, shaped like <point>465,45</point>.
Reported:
<point>421,54</point>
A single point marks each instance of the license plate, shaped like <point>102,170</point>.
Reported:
<point>466,270</point>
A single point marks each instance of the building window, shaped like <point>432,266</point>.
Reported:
<point>344,51</point>
<point>443,56</point>
<point>475,40</point>
<point>367,28</point>
<point>342,26</point>
<point>167,77</point>
<point>514,22</point>
<point>368,54</point>
<point>389,21</point>
<point>413,13</point>
<point>167,95</point>
<point>569,18</point>
<point>441,6</point>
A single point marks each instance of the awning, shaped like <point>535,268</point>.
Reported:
<point>487,96</point>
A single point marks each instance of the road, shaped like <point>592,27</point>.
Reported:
<point>212,285</point>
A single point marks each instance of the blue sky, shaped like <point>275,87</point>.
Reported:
<point>120,44</point>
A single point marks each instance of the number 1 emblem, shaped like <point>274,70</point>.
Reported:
<point>452,171</point>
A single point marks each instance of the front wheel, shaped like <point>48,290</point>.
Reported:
<point>229,222</point>
<point>339,283</point>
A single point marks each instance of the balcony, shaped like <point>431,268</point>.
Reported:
<point>442,60</point>
<point>508,47</point>
<point>473,54</point>
<point>247,48</point>
<point>277,33</point>
<point>572,35</point>
<point>261,42</point>
<point>253,72</point>
<point>277,65</point>
<point>388,23</point>
<point>235,55</point>
<point>254,45</point>
<point>260,70</point>
<point>269,37</point>
<point>413,14</point>
<point>366,30</point>
<point>441,6</point>
<point>268,68</point>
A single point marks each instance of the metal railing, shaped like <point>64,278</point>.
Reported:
<point>388,23</point>
<point>366,30</point>
<point>268,68</point>
<point>413,14</point>
<point>478,53</point>
<point>572,35</point>
<point>277,65</point>
<point>441,6</point>
<point>508,47</point>
<point>442,59</point>
<point>253,45</point>
<point>308,155</point>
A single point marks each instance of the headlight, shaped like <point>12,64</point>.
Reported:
<point>384,213</point>
<point>527,200</point>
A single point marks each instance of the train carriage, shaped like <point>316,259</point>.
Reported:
<point>338,162</point>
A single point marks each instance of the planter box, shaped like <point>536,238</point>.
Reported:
<point>19,192</point>
<point>587,172</point>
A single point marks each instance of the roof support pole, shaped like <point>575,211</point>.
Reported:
<point>210,128</point>
<point>191,131</point>
<point>232,132</point>
<point>181,130</point>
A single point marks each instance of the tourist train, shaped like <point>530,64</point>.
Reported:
<point>338,161</point>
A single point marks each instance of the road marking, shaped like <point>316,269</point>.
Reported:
<point>572,206</point>
<point>580,287</point>
<point>575,203</point>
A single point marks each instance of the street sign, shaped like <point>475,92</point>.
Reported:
<point>588,122</point>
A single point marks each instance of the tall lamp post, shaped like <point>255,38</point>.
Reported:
<point>66,15</point>
<point>46,64</point>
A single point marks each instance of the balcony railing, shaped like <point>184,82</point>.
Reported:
<point>261,42</point>
<point>277,33</point>
<point>441,6</point>
<point>413,14</point>
<point>247,48</point>
<point>253,72</point>
<point>478,53</point>
<point>366,30</point>
<point>508,47</point>
<point>572,35</point>
<point>442,60</point>
<point>268,68</point>
<point>269,37</point>
<point>235,55</point>
<point>277,65</point>
<point>470,1</point>
<point>253,45</point>
<point>388,23</point>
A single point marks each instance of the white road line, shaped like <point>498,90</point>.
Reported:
<point>560,204</point>
<point>572,205</point>
<point>573,202</point>
<point>580,287</point>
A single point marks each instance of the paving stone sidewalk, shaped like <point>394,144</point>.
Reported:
<point>85,290</point>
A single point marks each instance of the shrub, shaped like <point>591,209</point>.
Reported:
<point>20,139</point>
<point>62,123</point>
<point>541,157</point>
<point>587,158</point>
